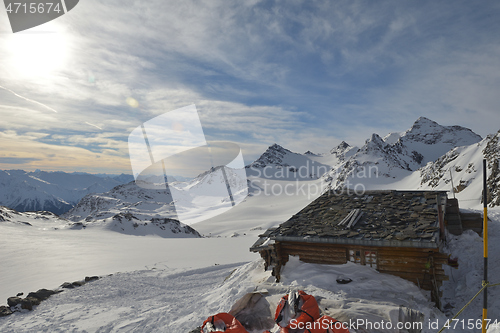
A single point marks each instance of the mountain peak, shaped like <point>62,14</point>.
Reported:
<point>273,155</point>
<point>342,147</point>
<point>429,132</point>
<point>376,140</point>
<point>425,121</point>
<point>275,146</point>
<point>310,153</point>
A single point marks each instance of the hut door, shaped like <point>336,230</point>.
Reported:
<point>355,256</point>
<point>371,258</point>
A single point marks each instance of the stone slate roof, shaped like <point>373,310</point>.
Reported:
<point>392,218</point>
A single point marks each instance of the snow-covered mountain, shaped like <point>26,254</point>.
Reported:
<point>40,219</point>
<point>280,163</point>
<point>51,191</point>
<point>426,141</point>
<point>125,223</point>
<point>127,199</point>
<point>380,161</point>
<point>462,167</point>
<point>198,199</point>
<point>397,155</point>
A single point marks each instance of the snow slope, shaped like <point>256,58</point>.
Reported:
<point>173,299</point>
<point>178,301</point>
<point>46,254</point>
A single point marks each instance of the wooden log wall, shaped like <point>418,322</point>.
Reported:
<point>422,266</point>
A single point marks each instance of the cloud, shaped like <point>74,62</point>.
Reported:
<point>305,75</point>
<point>16,160</point>
<point>30,155</point>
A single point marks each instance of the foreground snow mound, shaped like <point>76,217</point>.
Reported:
<point>179,301</point>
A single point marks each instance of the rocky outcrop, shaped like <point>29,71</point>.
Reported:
<point>492,155</point>
<point>16,303</point>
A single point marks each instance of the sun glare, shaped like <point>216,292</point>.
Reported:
<point>36,53</point>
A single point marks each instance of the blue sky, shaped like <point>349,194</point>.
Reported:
<point>304,74</point>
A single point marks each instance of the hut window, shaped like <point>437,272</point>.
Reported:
<point>355,256</point>
<point>371,259</point>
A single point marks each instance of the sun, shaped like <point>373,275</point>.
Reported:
<point>36,52</point>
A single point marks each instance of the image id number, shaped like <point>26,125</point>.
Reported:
<point>33,8</point>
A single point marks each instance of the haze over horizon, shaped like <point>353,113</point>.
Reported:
<point>306,76</point>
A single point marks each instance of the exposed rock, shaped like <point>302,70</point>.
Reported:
<point>13,301</point>
<point>5,311</point>
<point>26,304</point>
<point>67,285</point>
<point>42,294</point>
<point>91,278</point>
<point>33,300</point>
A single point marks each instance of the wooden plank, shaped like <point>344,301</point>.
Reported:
<point>331,258</point>
<point>316,245</point>
<point>294,249</point>
<point>339,259</point>
<point>397,251</point>
<point>324,262</point>
<point>409,253</point>
<point>319,255</point>
<point>312,250</point>
<point>409,260</point>
<point>389,253</point>
<point>369,248</point>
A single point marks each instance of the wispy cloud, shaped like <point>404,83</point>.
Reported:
<point>29,100</point>
<point>303,74</point>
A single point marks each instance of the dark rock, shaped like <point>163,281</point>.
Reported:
<point>13,301</point>
<point>26,304</point>
<point>78,283</point>
<point>33,300</point>
<point>67,285</point>
<point>343,280</point>
<point>42,294</point>
<point>91,278</point>
<point>19,294</point>
<point>5,311</point>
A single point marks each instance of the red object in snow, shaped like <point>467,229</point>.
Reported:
<point>222,322</point>
<point>302,309</point>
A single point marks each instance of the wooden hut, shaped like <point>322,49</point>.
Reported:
<point>394,232</point>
